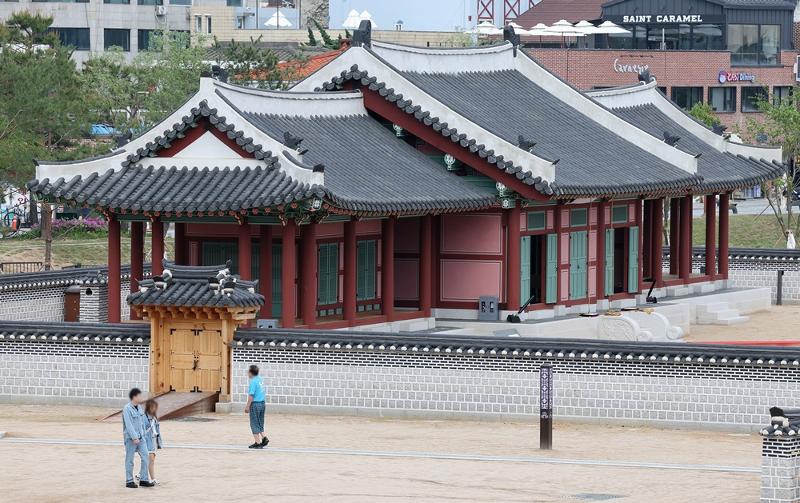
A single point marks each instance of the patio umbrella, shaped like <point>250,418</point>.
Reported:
<point>610,28</point>
<point>352,20</point>
<point>366,16</point>
<point>518,29</point>
<point>278,20</point>
<point>586,27</point>
<point>565,29</point>
<point>485,28</point>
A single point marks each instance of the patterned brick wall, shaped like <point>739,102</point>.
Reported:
<point>71,372</point>
<point>780,470</point>
<point>594,386</point>
<point>40,303</point>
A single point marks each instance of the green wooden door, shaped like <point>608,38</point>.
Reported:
<point>633,260</point>
<point>551,277</point>
<point>366,264</point>
<point>608,271</point>
<point>328,274</point>
<point>577,265</point>
<point>524,269</point>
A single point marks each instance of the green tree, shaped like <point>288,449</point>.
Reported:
<point>250,64</point>
<point>43,110</point>
<point>135,95</point>
<point>312,40</point>
<point>704,112</point>
<point>780,125</point>
<point>327,41</point>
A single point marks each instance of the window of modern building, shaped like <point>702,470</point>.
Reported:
<point>235,3</point>
<point>722,99</point>
<point>781,93</point>
<point>751,96</point>
<point>117,1</point>
<point>180,2</point>
<point>672,37</point>
<point>663,90</point>
<point>58,1</point>
<point>687,97</point>
<point>752,44</point>
<point>143,39</point>
<point>208,24</point>
<point>117,37</point>
<point>77,38</point>
<point>198,24</point>
<point>150,2</point>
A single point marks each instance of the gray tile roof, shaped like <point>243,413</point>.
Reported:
<point>191,286</point>
<point>180,189</point>
<point>74,332</point>
<point>759,4</point>
<point>368,169</point>
<point>443,128</point>
<point>721,171</point>
<point>593,160</point>
<point>67,276</point>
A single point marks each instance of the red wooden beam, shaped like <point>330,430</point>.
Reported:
<point>658,241</point>
<point>265,269</point>
<point>674,234</point>
<point>387,267</point>
<point>157,247</point>
<point>513,267</point>
<point>711,235</point>
<point>724,218</point>
<point>308,274</point>
<point>114,272</point>
<point>137,259</point>
<point>350,264</point>
<point>288,273</point>
<point>389,111</point>
<point>425,264</point>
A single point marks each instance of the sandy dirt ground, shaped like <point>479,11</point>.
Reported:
<point>283,472</point>
<point>779,323</point>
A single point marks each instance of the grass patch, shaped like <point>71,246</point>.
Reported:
<point>746,231</point>
<point>67,252</point>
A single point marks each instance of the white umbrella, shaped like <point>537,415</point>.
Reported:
<point>278,20</point>
<point>518,29</point>
<point>366,16</point>
<point>540,30</point>
<point>352,20</point>
<point>564,28</point>
<point>586,27</point>
<point>485,28</point>
<point>610,28</point>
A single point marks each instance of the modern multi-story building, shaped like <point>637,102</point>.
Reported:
<point>728,53</point>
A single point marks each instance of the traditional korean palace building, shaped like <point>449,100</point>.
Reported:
<point>398,183</point>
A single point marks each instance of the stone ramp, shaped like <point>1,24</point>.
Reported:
<point>173,405</point>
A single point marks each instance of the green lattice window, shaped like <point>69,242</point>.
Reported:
<point>328,291</point>
<point>366,265</point>
<point>619,214</point>
<point>537,221</point>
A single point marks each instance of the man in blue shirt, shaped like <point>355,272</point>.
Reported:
<point>134,426</point>
<point>256,407</point>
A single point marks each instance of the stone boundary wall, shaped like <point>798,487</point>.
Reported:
<point>753,268</point>
<point>780,470</point>
<point>33,303</point>
<point>72,372</point>
<point>635,385</point>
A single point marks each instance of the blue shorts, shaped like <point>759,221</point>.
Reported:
<point>257,410</point>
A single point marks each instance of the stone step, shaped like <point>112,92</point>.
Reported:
<point>712,307</point>
<point>735,320</point>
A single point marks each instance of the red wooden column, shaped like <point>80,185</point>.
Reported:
<point>245,251</point>
<point>181,246</point>
<point>425,264</point>
<point>724,203</point>
<point>350,264</point>
<point>114,266</point>
<point>513,268</point>
<point>658,241</point>
<point>647,238</point>
<point>685,263</point>
<point>157,247</point>
<point>288,273</point>
<point>674,235</point>
<point>711,235</point>
<point>387,267</point>
<point>308,273</point>
<point>265,269</point>
<point>137,258</point>
<point>600,289</point>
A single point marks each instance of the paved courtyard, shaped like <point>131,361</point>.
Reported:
<point>64,454</point>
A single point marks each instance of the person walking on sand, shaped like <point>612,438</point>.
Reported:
<point>256,408</point>
<point>152,436</point>
<point>134,427</point>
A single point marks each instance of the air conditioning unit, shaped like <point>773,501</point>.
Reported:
<point>161,10</point>
<point>797,69</point>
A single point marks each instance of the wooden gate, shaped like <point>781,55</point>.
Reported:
<point>195,359</point>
